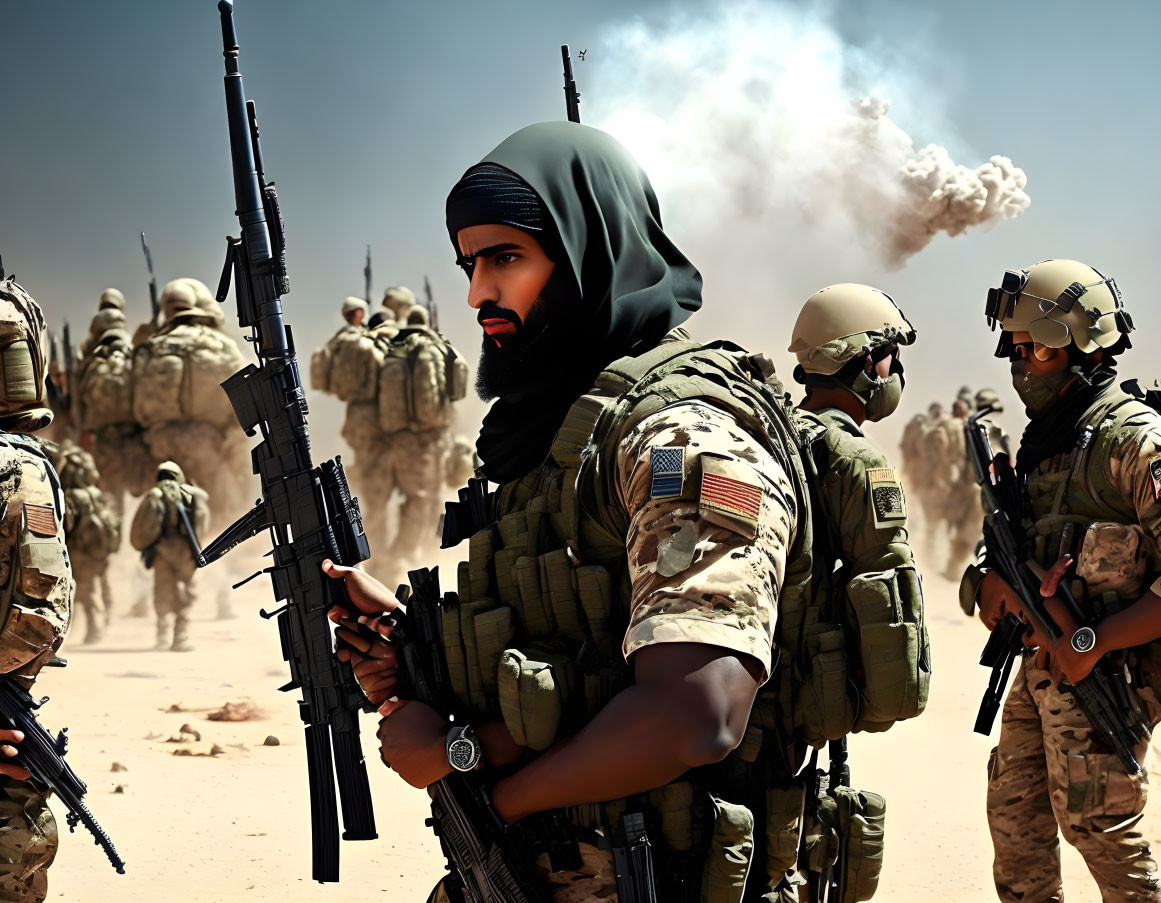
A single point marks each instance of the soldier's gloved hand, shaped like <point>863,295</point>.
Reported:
<point>8,741</point>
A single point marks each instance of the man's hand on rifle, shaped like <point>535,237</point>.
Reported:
<point>8,741</point>
<point>374,661</point>
<point>996,599</point>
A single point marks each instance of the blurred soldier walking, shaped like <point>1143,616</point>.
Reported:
<point>179,402</point>
<point>36,600</point>
<point>93,535</point>
<point>166,530</point>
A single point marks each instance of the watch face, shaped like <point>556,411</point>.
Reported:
<point>1084,639</point>
<point>463,754</point>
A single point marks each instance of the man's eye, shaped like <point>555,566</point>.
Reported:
<point>505,258</point>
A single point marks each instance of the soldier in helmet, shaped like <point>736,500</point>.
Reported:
<point>166,530</point>
<point>178,400</point>
<point>420,377</point>
<point>1089,468</point>
<point>37,599</point>
<point>848,340</point>
<point>93,534</point>
<point>661,550</point>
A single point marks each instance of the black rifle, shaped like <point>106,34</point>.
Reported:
<point>70,397</point>
<point>367,277</point>
<point>432,310</point>
<point>571,96</point>
<point>480,851</point>
<point>42,756</point>
<point>154,303</point>
<point>308,510</point>
<point>1104,696</point>
<point>1004,644</point>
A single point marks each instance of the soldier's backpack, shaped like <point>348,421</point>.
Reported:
<point>178,375</point>
<point>105,383</point>
<point>355,358</point>
<point>420,377</point>
<point>94,529</point>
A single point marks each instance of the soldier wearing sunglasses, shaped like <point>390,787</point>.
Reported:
<point>1089,478</point>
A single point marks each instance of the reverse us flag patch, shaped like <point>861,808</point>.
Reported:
<point>888,505</point>
<point>668,465</point>
<point>41,519</point>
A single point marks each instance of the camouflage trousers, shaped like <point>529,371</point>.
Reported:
<point>93,594</point>
<point>1044,780</point>
<point>28,842</point>
<point>594,882</point>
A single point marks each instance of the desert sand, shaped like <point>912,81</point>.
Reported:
<point>235,826</point>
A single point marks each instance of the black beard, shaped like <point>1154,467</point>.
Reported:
<point>511,366</point>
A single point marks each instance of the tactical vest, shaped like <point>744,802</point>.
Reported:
<point>855,654</point>
<point>420,376</point>
<point>544,606</point>
<point>1069,492</point>
<point>36,583</point>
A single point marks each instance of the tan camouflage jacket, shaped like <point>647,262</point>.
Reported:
<point>35,574</point>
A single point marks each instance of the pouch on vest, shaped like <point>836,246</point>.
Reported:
<point>783,820</point>
<point>893,649</point>
<point>457,369</point>
<point>494,631</point>
<point>394,395</point>
<point>320,369</point>
<point>827,710</point>
<point>731,850</point>
<point>846,840</point>
<point>533,689</point>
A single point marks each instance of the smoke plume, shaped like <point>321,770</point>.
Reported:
<point>760,112</point>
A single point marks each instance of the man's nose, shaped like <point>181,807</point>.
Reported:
<point>481,290</point>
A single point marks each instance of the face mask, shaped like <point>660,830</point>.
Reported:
<point>880,396</point>
<point>1038,392</point>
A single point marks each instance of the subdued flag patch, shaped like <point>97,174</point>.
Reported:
<point>888,504</point>
<point>731,494</point>
<point>41,519</point>
<point>668,465</point>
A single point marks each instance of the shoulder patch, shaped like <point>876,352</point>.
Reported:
<point>41,519</point>
<point>668,466</point>
<point>888,506</point>
<point>731,495</point>
<point>1155,473</point>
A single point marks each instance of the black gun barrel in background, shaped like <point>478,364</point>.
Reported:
<point>1104,696</point>
<point>367,277</point>
<point>42,756</point>
<point>154,303</point>
<point>571,97</point>
<point>307,510</point>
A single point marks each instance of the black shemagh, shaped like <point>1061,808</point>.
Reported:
<point>1057,429</point>
<point>620,282</point>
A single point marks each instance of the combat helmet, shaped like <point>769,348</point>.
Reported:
<point>168,470</point>
<point>188,297</point>
<point>399,300</point>
<point>352,304</point>
<point>840,322</point>
<point>418,317</point>
<point>1060,303</point>
<point>111,298</point>
<point>23,339</point>
<point>988,400</point>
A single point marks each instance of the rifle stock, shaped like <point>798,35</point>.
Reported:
<point>308,510</point>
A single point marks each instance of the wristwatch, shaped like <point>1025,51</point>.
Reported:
<point>463,748</point>
<point>1084,640</point>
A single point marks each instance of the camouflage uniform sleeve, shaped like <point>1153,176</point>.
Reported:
<point>711,515</point>
<point>864,501</point>
<point>1134,470</point>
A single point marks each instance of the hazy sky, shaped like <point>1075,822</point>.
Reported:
<point>114,123</point>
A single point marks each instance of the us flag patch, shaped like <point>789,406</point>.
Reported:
<point>731,495</point>
<point>41,519</point>
<point>668,465</point>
